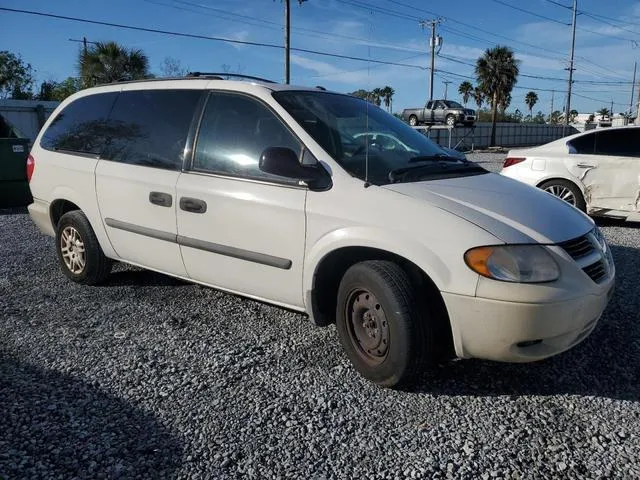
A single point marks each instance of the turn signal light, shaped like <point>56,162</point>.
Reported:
<point>31,165</point>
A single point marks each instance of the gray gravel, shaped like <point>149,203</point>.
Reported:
<point>149,377</point>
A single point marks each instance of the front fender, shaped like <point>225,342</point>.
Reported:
<point>442,271</point>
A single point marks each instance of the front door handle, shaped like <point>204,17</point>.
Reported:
<point>161,199</point>
<point>193,205</point>
<point>585,165</point>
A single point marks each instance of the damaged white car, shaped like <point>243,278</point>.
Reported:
<point>596,171</point>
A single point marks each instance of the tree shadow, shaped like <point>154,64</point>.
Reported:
<point>606,364</point>
<point>57,426</point>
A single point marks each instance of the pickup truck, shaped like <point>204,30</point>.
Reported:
<point>446,112</point>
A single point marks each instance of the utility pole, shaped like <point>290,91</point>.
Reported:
<point>633,88</point>
<point>571,69</point>
<point>433,42</point>
<point>287,39</point>
<point>84,42</point>
<point>553,94</point>
<point>611,111</point>
<point>446,87</point>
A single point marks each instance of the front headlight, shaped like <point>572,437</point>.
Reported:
<point>513,263</point>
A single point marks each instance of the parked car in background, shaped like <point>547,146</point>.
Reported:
<point>14,189</point>
<point>277,193</point>
<point>597,171</point>
<point>445,112</point>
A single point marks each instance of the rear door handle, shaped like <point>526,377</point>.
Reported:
<point>193,205</point>
<point>585,165</point>
<point>161,199</point>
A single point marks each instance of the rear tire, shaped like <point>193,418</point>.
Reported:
<point>413,120</point>
<point>567,191</point>
<point>380,324</point>
<point>79,253</point>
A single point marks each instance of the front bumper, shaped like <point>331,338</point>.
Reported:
<point>496,329</point>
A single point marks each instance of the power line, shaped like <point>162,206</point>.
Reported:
<point>205,37</point>
<point>531,13</point>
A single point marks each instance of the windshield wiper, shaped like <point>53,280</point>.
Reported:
<point>439,157</point>
<point>450,164</point>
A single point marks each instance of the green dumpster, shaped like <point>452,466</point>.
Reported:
<point>14,188</point>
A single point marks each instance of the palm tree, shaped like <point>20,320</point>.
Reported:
<point>376,96</point>
<point>497,71</point>
<point>478,96</point>
<point>387,96</point>
<point>531,98</point>
<point>109,62</point>
<point>603,112</point>
<point>466,90</point>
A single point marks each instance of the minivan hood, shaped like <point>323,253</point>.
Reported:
<point>510,210</point>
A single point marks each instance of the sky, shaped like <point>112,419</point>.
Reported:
<point>607,42</point>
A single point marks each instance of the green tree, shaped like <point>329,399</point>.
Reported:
<point>604,112</point>
<point>497,71</point>
<point>361,93</point>
<point>531,98</point>
<point>556,117</point>
<point>539,118</point>
<point>66,88</point>
<point>16,76</point>
<point>109,62</point>
<point>46,90</point>
<point>387,97</point>
<point>466,90</point>
<point>572,115</point>
<point>478,96</point>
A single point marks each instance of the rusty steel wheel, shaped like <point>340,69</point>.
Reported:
<point>368,326</point>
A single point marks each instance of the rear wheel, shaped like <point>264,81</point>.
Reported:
<point>567,191</point>
<point>413,120</point>
<point>380,324</point>
<point>79,253</point>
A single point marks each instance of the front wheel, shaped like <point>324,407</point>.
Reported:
<point>450,120</point>
<point>413,120</point>
<point>379,323</point>
<point>79,253</point>
<point>567,191</point>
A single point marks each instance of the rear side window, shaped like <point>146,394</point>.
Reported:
<point>81,126</point>
<point>234,132</point>
<point>150,127</point>
<point>623,142</point>
<point>583,145</point>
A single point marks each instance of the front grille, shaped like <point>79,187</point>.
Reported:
<point>578,247</point>
<point>582,247</point>
<point>596,271</point>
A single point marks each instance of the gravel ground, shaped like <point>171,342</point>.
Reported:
<point>149,377</point>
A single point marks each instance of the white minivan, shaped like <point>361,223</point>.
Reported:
<point>281,194</point>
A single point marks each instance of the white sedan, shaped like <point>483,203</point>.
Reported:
<point>596,171</point>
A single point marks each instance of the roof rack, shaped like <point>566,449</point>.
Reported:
<point>221,76</point>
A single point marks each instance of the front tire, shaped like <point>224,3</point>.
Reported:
<point>567,191</point>
<point>379,323</point>
<point>79,253</point>
<point>450,120</point>
<point>413,120</point>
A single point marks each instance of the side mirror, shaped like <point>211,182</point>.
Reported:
<point>284,162</point>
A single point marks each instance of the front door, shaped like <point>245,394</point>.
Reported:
<point>239,228</point>
<point>137,175</point>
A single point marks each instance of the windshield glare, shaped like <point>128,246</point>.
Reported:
<point>351,130</point>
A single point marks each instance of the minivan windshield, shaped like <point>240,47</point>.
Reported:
<point>369,143</point>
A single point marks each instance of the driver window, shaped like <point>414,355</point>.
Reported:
<point>234,132</point>
<point>429,104</point>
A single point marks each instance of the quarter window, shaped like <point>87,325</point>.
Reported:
<point>583,145</point>
<point>234,131</point>
<point>150,127</point>
<point>81,126</point>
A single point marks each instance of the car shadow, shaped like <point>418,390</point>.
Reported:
<point>606,364</point>
<point>614,222</point>
<point>13,211</point>
<point>134,276</point>
<point>62,427</point>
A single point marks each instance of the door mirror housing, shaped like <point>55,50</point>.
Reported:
<point>284,162</point>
